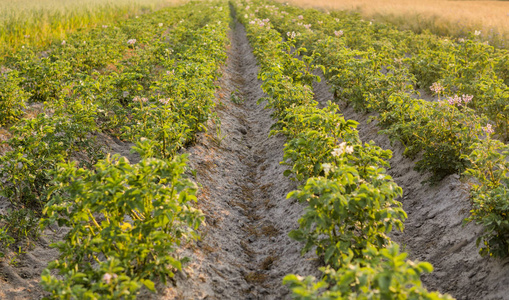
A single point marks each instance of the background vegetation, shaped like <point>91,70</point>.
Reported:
<point>44,21</point>
<point>447,18</point>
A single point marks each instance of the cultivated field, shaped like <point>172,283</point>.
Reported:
<point>447,18</point>
<point>254,150</point>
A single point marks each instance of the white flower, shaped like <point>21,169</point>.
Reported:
<point>160,24</point>
<point>63,42</point>
<point>349,149</point>
<point>291,35</point>
<point>131,41</point>
<point>338,33</point>
<point>343,148</point>
<point>105,26</point>
<point>326,168</point>
<point>477,32</point>
<point>336,152</point>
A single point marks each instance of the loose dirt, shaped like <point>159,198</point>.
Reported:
<point>434,230</point>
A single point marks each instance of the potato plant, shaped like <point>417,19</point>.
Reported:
<point>125,220</point>
<point>383,274</point>
<point>490,200</point>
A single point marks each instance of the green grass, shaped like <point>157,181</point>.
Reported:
<point>42,22</point>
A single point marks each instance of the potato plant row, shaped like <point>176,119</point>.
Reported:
<point>351,200</point>
<point>148,80</point>
<point>372,67</point>
<point>463,67</point>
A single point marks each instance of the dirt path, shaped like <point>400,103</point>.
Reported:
<point>434,231</point>
<point>245,251</point>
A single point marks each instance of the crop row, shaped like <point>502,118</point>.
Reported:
<point>373,67</point>
<point>149,80</point>
<point>351,200</point>
<point>463,67</point>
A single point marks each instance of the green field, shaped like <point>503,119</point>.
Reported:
<point>248,149</point>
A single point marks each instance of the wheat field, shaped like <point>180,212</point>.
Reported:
<point>41,22</point>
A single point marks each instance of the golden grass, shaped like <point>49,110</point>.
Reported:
<point>449,18</point>
<point>39,22</point>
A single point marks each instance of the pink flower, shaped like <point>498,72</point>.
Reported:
<point>466,98</point>
<point>164,101</point>
<point>300,17</point>
<point>436,87</point>
<point>107,277</point>
<point>488,129</point>
<point>338,33</point>
<point>131,41</point>
<point>454,100</point>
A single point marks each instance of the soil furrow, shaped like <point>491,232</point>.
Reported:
<point>245,250</point>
